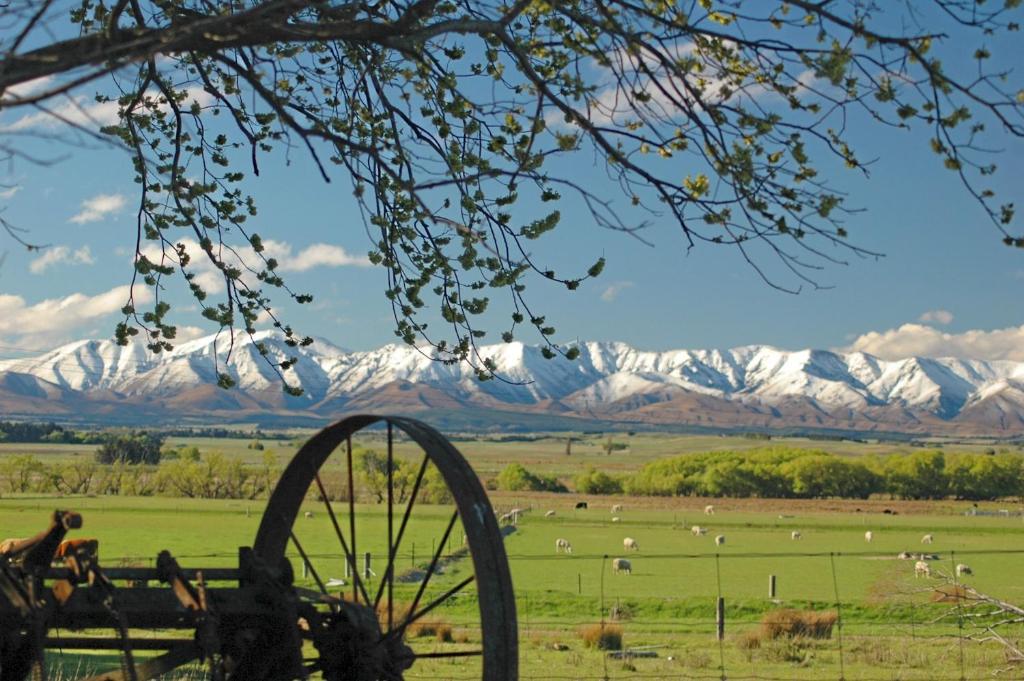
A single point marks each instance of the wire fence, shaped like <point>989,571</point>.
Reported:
<point>924,604</point>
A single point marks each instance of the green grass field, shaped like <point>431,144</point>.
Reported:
<point>891,628</point>
<point>889,624</point>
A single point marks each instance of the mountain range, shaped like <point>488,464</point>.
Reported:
<point>753,387</point>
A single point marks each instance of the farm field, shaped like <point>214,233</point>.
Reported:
<point>544,454</point>
<point>891,629</point>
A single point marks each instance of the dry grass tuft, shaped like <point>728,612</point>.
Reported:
<point>442,631</point>
<point>797,624</point>
<point>602,637</point>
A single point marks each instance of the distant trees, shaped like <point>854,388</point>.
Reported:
<point>131,448</point>
<point>515,478</point>
<point>792,473</point>
<point>20,431</point>
<point>593,481</point>
<point>372,469</point>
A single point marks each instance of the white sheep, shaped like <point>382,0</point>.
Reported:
<point>616,519</point>
<point>928,539</point>
<point>922,569</point>
<point>630,544</point>
<point>709,509</point>
<point>308,514</point>
<point>617,508</point>
<point>719,540</point>
<point>622,565</point>
<point>903,555</point>
<point>868,536</point>
<point>697,530</point>
<point>963,569</point>
<point>563,545</point>
<point>549,514</point>
<point>795,534</point>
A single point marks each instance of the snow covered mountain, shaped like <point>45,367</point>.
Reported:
<point>753,386</point>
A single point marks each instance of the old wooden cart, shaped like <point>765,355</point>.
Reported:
<point>257,621</point>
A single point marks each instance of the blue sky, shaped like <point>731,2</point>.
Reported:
<point>946,284</point>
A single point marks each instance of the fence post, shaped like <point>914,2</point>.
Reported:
<point>366,565</point>
<point>305,569</point>
<point>579,584</point>
<point>720,618</point>
<point>771,586</point>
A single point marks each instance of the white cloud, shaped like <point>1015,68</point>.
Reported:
<point>85,112</point>
<point>9,192</point>
<point>23,90</point>
<point>189,333</point>
<point>212,281</point>
<point>936,316</point>
<point>912,340</point>
<point>317,255</point>
<point>98,207</point>
<point>56,319</point>
<point>77,111</point>
<point>58,255</point>
<point>614,289</point>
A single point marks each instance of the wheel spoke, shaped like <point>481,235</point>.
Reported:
<point>352,522</point>
<point>349,557</point>
<point>453,653</point>
<point>393,551</point>
<point>430,572</point>
<point>312,570</point>
<point>433,604</point>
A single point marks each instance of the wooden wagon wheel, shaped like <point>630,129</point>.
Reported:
<point>345,633</point>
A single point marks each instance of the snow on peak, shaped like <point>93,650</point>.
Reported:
<point>604,372</point>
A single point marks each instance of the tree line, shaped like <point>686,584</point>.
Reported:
<point>780,472</point>
<point>136,464</point>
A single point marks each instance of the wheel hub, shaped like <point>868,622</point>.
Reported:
<point>351,647</point>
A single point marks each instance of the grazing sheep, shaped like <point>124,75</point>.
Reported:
<point>795,534</point>
<point>719,540</point>
<point>549,514</point>
<point>922,569</point>
<point>616,519</point>
<point>308,514</point>
<point>709,510</point>
<point>903,555</point>
<point>630,544</point>
<point>868,536</point>
<point>617,508</point>
<point>563,545</point>
<point>622,565</point>
<point>581,504</point>
<point>928,556</point>
<point>963,569</point>
<point>697,530</point>
<point>928,539</point>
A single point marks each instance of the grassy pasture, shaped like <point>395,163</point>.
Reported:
<point>544,454</point>
<point>891,629</point>
<point>890,626</point>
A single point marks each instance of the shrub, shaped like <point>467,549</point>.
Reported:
<point>797,624</point>
<point>515,478</point>
<point>602,636</point>
<point>442,631</point>
<point>593,481</point>
<point>132,448</point>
